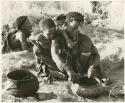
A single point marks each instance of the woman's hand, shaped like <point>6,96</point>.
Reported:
<point>91,71</point>
<point>73,77</point>
<point>69,43</point>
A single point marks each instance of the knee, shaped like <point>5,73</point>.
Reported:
<point>36,50</point>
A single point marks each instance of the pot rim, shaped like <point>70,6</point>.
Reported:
<point>22,80</point>
<point>97,80</point>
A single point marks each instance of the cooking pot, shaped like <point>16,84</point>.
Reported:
<point>87,87</point>
<point>22,83</point>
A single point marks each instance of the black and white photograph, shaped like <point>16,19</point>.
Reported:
<point>62,50</point>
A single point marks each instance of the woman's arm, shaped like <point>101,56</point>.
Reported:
<point>96,56</point>
<point>68,40</point>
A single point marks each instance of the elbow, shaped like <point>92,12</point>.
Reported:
<point>97,57</point>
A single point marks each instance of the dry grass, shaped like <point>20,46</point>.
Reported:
<point>115,10</point>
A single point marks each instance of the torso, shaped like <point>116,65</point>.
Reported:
<point>82,50</point>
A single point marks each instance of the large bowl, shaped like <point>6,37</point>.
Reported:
<point>22,83</point>
<point>87,87</point>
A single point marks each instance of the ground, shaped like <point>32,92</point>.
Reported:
<point>110,46</point>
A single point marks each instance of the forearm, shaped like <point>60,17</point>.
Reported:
<point>35,43</point>
<point>96,61</point>
<point>65,35</point>
<point>96,56</point>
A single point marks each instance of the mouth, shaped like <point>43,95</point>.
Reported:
<point>75,27</point>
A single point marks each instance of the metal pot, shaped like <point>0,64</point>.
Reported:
<point>87,87</point>
<point>22,83</point>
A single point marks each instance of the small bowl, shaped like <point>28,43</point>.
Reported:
<point>87,87</point>
<point>86,81</point>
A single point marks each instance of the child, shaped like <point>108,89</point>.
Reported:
<point>61,25</point>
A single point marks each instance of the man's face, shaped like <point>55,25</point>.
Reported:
<point>49,33</point>
<point>74,24</point>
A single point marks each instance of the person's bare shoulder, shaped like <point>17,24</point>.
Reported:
<point>84,37</point>
<point>58,39</point>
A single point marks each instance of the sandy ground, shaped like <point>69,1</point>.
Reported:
<point>60,88</point>
<point>107,48</point>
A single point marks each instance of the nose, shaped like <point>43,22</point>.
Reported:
<point>76,22</point>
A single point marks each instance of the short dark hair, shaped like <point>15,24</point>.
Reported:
<point>47,22</point>
<point>19,22</point>
<point>74,15</point>
<point>60,17</point>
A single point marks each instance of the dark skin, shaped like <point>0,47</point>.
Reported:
<point>72,27</point>
<point>58,50</point>
<point>60,24</point>
<point>60,60</point>
<point>60,53</point>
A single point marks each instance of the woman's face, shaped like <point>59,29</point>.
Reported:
<point>49,33</point>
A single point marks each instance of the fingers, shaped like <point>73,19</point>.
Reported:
<point>73,77</point>
<point>69,79</point>
<point>70,43</point>
<point>89,74</point>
